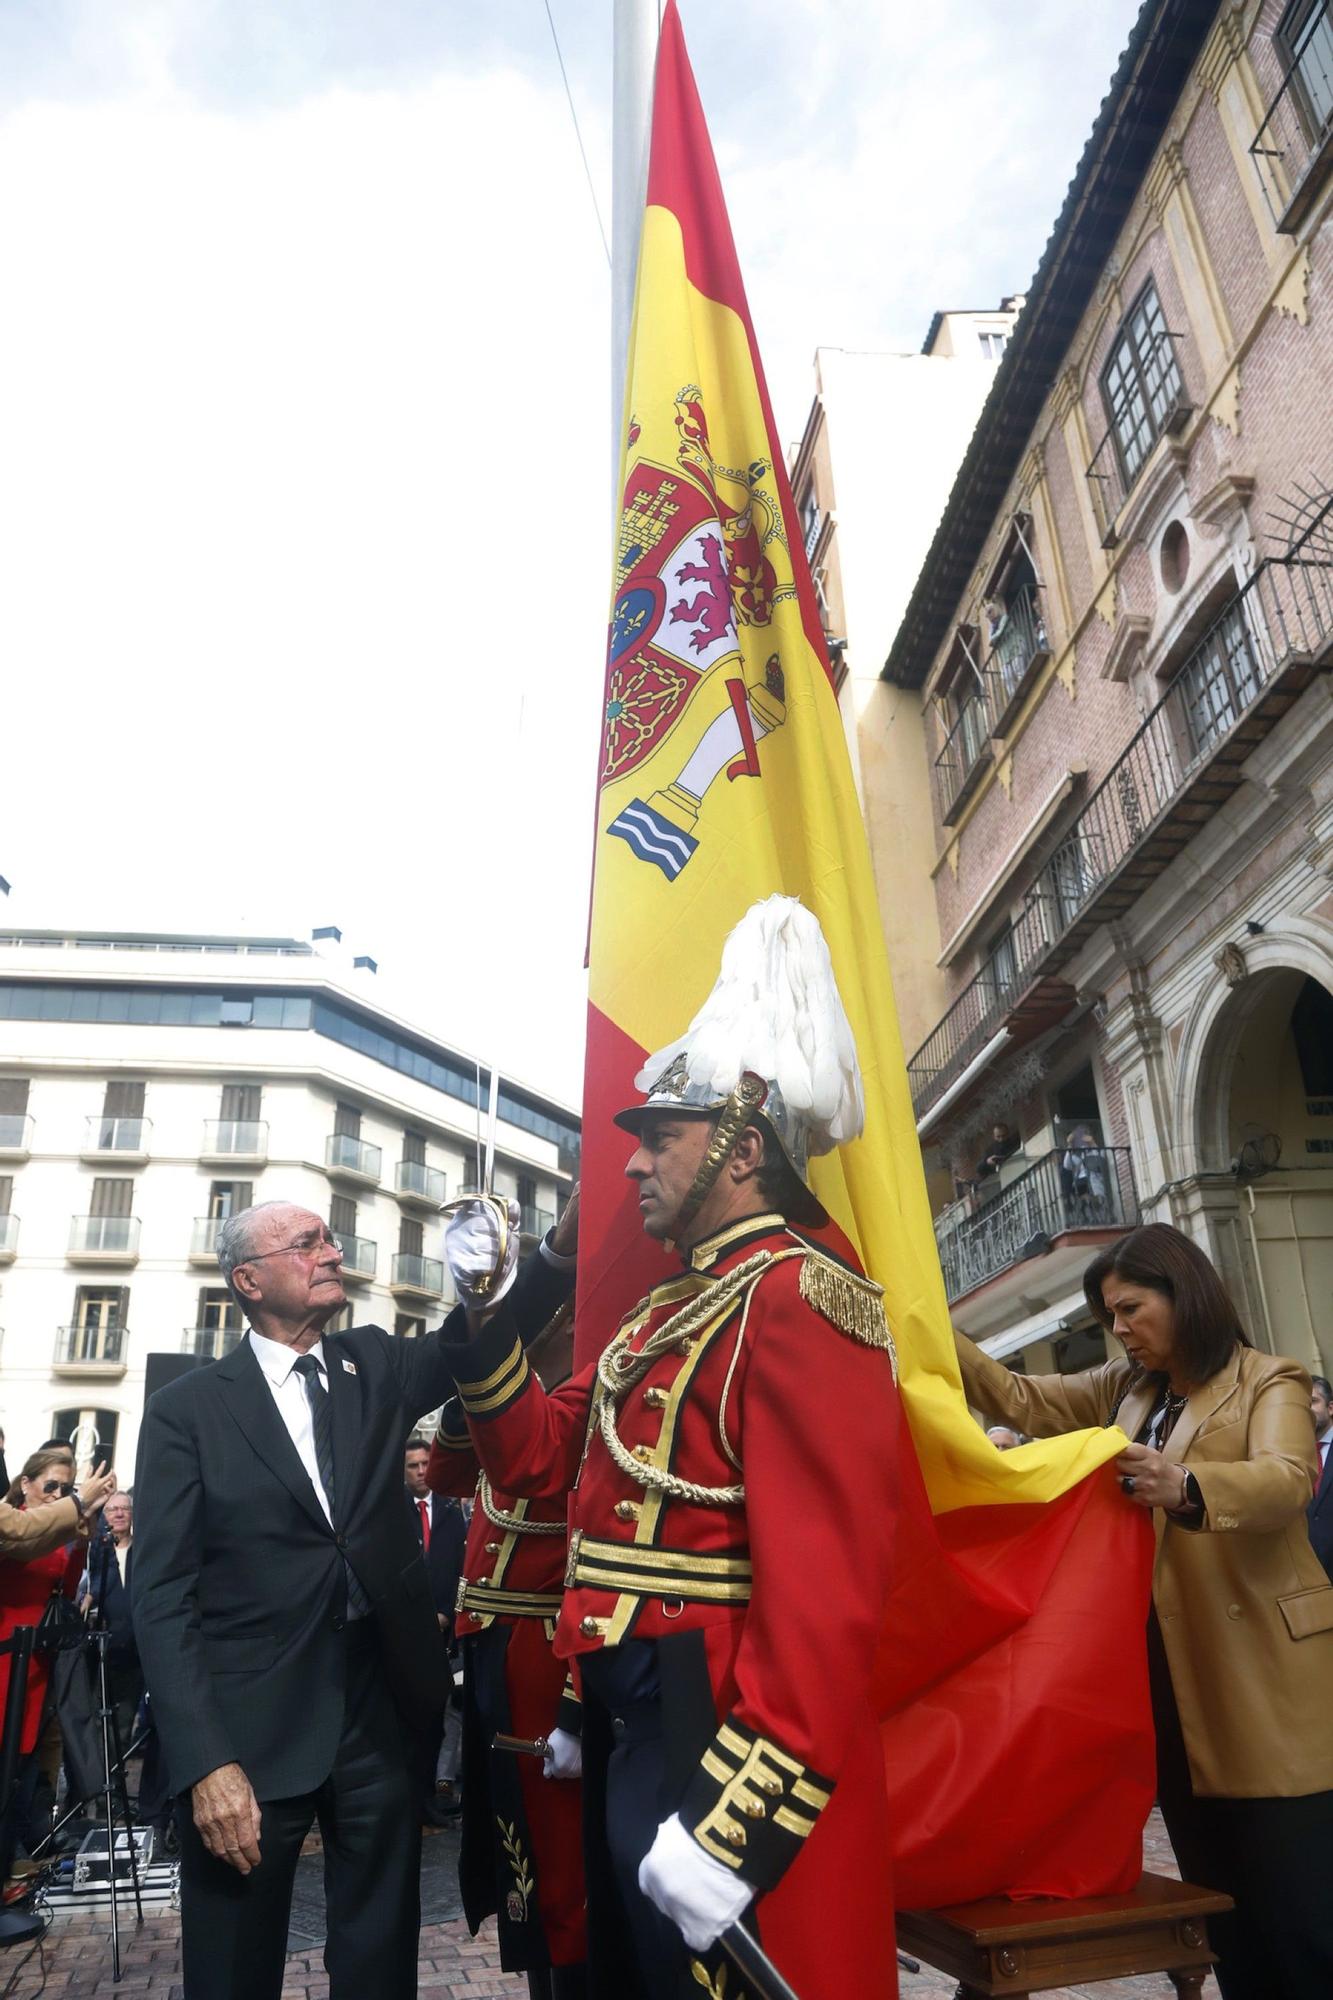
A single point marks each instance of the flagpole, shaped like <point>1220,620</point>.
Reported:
<point>634,52</point>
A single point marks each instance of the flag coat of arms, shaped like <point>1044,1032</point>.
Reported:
<point>1012,1664</point>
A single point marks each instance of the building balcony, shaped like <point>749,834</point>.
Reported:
<point>419,1277</point>
<point>1058,1209</point>
<point>103,1239</point>
<point>1180,767</point>
<point>92,1349</point>
<point>235,1141</point>
<point>124,1140</point>
<point>534,1221</point>
<point>348,1159</point>
<point>359,1256</point>
<point>966,753</point>
<point>204,1239</point>
<point>9,1238</point>
<point>210,1343</point>
<point>419,1186</point>
<point>1294,145</point>
<point>1019,649</point>
<point>15,1135</point>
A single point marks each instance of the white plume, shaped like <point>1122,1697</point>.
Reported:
<point>775,1009</point>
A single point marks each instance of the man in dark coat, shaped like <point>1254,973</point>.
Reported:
<point>441,1534</point>
<point>284,1618</point>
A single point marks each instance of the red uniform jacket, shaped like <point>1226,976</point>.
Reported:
<point>731,1456</point>
<point>513,1574</point>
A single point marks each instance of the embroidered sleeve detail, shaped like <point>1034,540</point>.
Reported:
<point>750,1805</point>
<point>496,1373</point>
<point>855,1305</point>
<point>569,1714</point>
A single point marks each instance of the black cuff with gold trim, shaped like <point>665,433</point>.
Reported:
<point>569,1715</point>
<point>492,1371</point>
<point>751,1806</point>
<point>451,1433</point>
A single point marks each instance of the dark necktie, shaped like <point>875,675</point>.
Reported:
<point>321,1423</point>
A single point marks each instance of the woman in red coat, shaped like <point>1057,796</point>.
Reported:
<point>27,1587</point>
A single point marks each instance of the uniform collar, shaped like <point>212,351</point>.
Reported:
<point>278,1360</point>
<point>703,1255</point>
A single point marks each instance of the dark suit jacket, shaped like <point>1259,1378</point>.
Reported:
<point>1319,1516</point>
<point>239,1585</point>
<point>111,1598</point>
<point>444,1557</point>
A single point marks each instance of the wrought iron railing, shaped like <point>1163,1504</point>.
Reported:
<point>1297,130</point>
<point>1156,404</point>
<point>1015,645</point>
<point>1065,1190</point>
<point>1284,612</point>
<point>964,748</point>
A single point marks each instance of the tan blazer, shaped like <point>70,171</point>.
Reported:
<point>25,1536</point>
<point>1245,1608</point>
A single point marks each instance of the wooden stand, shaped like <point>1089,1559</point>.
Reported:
<point>998,1947</point>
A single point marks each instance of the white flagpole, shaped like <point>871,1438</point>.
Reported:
<point>634,52</point>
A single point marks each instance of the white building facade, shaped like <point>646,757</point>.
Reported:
<point>152,1085</point>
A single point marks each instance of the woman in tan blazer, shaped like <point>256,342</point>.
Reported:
<point>1240,1639</point>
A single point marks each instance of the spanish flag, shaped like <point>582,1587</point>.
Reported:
<point>1012,1681</point>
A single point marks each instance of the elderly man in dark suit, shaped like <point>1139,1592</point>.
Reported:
<point>284,1615</point>
<point>1319,1514</point>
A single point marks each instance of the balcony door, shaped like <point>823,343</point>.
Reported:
<point>122,1116</point>
<point>109,1212</point>
<point>219,1322</point>
<point>411,1237</point>
<point>100,1313</point>
<point>13,1109</point>
<point>1219,681</point>
<point>92,1433</point>
<point>229,1198</point>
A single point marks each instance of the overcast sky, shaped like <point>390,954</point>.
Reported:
<point>304,447</point>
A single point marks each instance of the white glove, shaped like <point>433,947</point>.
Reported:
<point>700,1895</point>
<point>564,1755</point>
<point>472,1251</point>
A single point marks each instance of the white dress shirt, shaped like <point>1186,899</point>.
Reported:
<point>278,1362</point>
<point>1322,1444</point>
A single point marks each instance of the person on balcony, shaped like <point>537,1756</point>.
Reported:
<point>1005,1142</point>
<point>1240,1635</point>
<point>1083,1170</point>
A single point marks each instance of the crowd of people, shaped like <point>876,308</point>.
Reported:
<point>575,1614</point>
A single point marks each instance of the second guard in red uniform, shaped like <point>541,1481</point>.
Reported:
<point>731,1460</point>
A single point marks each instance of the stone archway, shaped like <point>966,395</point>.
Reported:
<point>1238,1077</point>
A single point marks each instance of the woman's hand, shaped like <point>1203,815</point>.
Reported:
<point>96,1490</point>
<point>1149,1479</point>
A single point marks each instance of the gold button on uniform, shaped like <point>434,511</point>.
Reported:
<point>492,1548</point>
<point>590,1627</point>
<point>754,1808</point>
<point>644,1453</point>
<point>627,1510</point>
<point>656,1399</point>
<point>1234,1611</point>
<point>736,1836</point>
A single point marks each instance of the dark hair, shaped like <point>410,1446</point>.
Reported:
<point>783,1189</point>
<point>1162,1259</point>
<point>1324,1386</point>
<point>35,1465</point>
<point>416,1443</point>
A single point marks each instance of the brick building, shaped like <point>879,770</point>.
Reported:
<point>1118,643</point>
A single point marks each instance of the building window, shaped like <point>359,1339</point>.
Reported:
<point>241,1102</point>
<point>408,1326</point>
<point>411,1237</point>
<point>229,1198</point>
<point>993,345</point>
<point>237,1010</point>
<point>342,1215</point>
<point>1304,38</point>
<point>1000,969</point>
<point>810,518</point>
<point>1219,680</point>
<point>91,1432</point>
<point>1141,383</point>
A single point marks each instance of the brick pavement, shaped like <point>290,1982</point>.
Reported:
<point>74,1963</point>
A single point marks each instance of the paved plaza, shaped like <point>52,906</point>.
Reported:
<point>73,1961</point>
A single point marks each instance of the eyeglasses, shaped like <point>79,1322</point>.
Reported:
<point>64,1487</point>
<point>314,1239</point>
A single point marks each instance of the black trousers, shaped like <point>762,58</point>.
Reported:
<point>1274,1856</point>
<point>234,1927</point>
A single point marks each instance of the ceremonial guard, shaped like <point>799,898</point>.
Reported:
<point>521,1855</point>
<point>730,1456</point>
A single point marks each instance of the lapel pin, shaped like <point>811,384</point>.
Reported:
<point>350,1366</point>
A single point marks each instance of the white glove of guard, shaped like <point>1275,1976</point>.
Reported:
<point>472,1251</point>
<point>700,1895</point>
<point>564,1755</point>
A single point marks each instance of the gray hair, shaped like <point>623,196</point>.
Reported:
<point>236,1239</point>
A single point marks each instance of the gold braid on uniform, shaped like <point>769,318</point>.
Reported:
<point>620,1369</point>
<point>511,1522</point>
<point>855,1305</point>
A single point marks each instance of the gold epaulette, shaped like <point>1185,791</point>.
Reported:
<point>855,1305</point>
